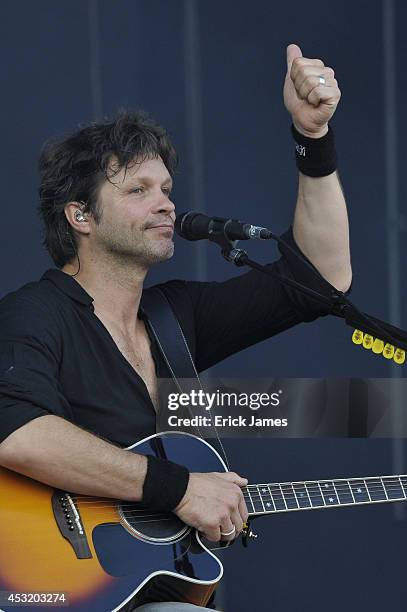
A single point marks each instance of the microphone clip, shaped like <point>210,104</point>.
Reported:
<point>223,241</point>
<point>229,249</point>
<point>237,256</point>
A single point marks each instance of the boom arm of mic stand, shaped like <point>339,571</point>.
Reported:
<point>341,306</point>
<point>240,258</point>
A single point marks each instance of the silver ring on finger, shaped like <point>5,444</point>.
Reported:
<point>322,80</point>
<point>228,533</point>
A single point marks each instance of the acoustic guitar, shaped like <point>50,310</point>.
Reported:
<point>95,554</point>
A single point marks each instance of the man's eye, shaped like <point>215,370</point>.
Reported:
<point>167,191</point>
<point>138,190</point>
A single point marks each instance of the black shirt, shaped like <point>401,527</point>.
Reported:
<point>56,356</point>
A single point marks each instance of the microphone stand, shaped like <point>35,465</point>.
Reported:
<point>340,305</point>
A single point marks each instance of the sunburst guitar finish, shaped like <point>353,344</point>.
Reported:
<point>102,552</point>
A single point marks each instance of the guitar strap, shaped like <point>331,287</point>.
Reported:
<point>174,348</point>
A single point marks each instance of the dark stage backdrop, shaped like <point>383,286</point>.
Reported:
<point>212,72</point>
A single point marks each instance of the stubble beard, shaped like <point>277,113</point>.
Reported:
<point>135,248</point>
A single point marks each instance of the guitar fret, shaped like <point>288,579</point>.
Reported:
<point>266,498</point>
<point>295,495</point>
<point>289,496</point>
<point>306,490</point>
<point>328,491</point>
<point>282,495</point>
<point>314,493</point>
<point>302,495</point>
<point>323,498</point>
<point>343,492</point>
<point>277,497</point>
<point>256,498</point>
<point>351,492</point>
<point>359,490</point>
<point>375,489</point>
<point>384,489</point>
<point>273,509</point>
<point>393,488</point>
<point>367,489</point>
<point>402,487</point>
<point>261,497</point>
<point>336,492</point>
<point>251,501</point>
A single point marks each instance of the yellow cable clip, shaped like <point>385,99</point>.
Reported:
<point>378,346</point>
<point>388,351</point>
<point>368,341</point>
<point>399,356</point>
<point>357,337</point>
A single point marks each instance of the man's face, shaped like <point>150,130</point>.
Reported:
<point>137,215</point>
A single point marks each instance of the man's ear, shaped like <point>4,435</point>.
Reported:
<point>76,218</point>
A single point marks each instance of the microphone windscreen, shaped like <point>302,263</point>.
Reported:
<point>192,226</point>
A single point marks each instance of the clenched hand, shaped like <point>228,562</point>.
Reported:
<point>310,102</point>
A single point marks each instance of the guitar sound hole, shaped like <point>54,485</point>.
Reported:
<point>151,525</point>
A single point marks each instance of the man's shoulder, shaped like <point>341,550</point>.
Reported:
<point>178,294</point>
<point>31,299</point>
<point>174,290</point>
<point>184,294</point>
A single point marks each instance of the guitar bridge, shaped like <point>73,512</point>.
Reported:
<point>69,523</point>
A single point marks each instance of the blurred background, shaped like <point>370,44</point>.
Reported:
<point>212,71</point>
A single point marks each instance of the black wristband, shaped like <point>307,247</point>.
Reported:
<point>165,484</point>
<point>315,156</point>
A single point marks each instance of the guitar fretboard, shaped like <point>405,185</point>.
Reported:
<point>286,496</point>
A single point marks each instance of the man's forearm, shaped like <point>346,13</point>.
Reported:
<point>321,228</point>
<point>311,95</point>
<point>58,453</point>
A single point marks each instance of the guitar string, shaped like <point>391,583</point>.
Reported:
<point>290,495</point>
<point>155,520</point>
<point>138,514</point>
<point>287,494</point>
<point>137,519</point>
<point>321,493</point>
<point>326,487</point>
<point>284,509</point>
<point>156,515</point>
<point>388,480</point>
<point>278,510</point>
<point>309,504</point>
<point>336,480</point>
<point>341,487</point>
<point>298,506</point>
<point>306,483</point>
<point>258,502</point>
<point>338,483</point>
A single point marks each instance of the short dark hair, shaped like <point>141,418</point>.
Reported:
<point>74,168</point>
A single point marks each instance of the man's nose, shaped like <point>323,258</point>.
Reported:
<point>163,204</point>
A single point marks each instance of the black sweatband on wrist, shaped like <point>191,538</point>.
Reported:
<point>315,156</point>
<point>164,485</point>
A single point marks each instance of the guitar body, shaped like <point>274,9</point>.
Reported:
<point>101,552</point>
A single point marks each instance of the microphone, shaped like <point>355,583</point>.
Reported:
<point>196,226</point>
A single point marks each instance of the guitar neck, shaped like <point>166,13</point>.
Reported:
<point>316,494</point>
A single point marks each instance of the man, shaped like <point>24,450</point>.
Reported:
<point>79,368</point>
